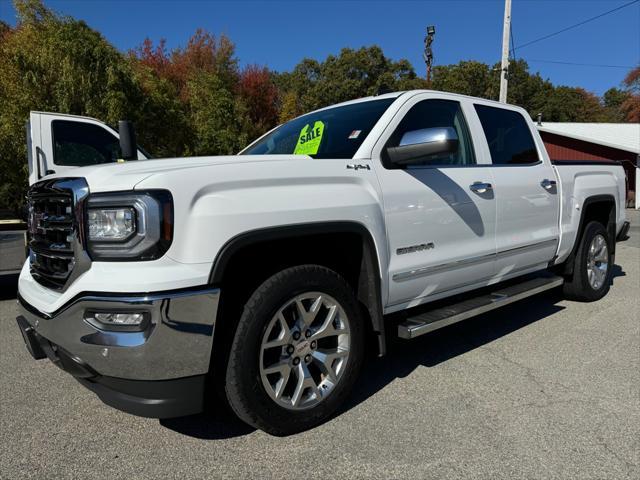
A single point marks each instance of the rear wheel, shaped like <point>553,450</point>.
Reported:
<point>297,350</point>
<point>592,266</point>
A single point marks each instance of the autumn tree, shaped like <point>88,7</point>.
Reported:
<point>211,107</point>
<point>204,53</point>
<point>260,97</point>
<point>631,106</point>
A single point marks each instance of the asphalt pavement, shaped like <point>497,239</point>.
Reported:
<point>544,388</point>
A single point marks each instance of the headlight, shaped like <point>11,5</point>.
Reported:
<point>114,224</point>
<point>129,226</point>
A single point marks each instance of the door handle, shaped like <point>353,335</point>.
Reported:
<point>548,184</point>
<point>480,187</point>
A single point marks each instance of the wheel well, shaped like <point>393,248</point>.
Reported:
<point>601,208</point>
<point>248,260</point>
<point>250,265</point>
<point>604,212</point>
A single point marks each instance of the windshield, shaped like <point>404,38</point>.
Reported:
<point>335,132</point>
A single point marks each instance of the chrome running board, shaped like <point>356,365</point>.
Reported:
<point>447,315</point>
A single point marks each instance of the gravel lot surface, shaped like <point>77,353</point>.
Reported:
<point>545,388</point>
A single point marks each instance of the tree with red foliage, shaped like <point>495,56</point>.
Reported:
<point>204,53</point>
<point>154,57</point>
<point>631,106</point>
<point>260,97</point>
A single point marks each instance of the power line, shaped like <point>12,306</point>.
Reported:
<point>582,64</point>
<point>513,48</point>
<point>577,24</point>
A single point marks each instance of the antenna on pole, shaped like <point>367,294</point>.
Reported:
<point>428,52</point>
<point>504,67</point>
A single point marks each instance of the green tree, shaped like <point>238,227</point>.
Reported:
<point>613,100</point>
<point>55,63</point>
<point>530,91</point>
<point>216,117</point>
<point>351,74</point>
<point>290,107</point>
<point>467,78</point>
<point>571,104</point>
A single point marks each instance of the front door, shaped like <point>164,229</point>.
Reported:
<point>59,143</point>
<point>440,211</point>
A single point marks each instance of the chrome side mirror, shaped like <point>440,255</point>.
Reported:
<point>426,142</point>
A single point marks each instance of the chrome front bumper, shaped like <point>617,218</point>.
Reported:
<point>176,343</point>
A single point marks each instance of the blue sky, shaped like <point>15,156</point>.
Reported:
<point>280,33</point>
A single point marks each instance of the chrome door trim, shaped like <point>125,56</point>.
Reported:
<point>418,272</point>
<point>530,246</point>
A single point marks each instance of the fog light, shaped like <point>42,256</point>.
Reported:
<point>131,321</point>
<point>120,318</point>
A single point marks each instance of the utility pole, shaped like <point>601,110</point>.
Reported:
<point>504,67</point>
<point>428,52</point>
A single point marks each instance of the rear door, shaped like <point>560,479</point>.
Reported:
<point>61,143</point>
<point>525,190</point>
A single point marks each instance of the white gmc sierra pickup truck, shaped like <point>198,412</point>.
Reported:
<point>264,275</point>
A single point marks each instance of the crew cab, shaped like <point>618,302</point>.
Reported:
<point>264,276</point>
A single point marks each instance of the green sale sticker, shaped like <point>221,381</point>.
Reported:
<point>309,139</point>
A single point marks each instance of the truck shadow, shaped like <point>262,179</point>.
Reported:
<point>403,357</point>
<point>8,286</point>
<point>217,424</point>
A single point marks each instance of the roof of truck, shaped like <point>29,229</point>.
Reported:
<point>399,93</point>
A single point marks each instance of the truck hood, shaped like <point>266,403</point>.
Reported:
<point>125,176</point>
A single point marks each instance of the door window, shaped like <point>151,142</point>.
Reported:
<point>434,114</point>
<point>77,144</point>
<point>508,135</point>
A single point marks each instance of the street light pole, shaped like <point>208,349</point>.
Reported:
<point>504,67</point>
<point>428,51</point>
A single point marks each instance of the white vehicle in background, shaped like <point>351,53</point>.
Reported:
<point>265,274</point>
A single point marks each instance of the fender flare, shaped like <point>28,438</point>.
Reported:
<point>369,290</point>
<point>611,226</point>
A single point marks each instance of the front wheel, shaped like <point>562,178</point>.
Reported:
<point>591,277</point>
<point>297,350</point>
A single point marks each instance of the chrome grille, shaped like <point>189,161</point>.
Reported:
<point>55,230</point>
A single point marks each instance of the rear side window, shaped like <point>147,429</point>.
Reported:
<point>508,135</point>
<point>77,144</point>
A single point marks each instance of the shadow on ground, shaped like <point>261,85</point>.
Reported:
<point>402,358</point>
<point>217,424</point>
<point>8,286</point>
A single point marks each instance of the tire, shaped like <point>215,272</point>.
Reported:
<point>262,396</point>
<point>581,286</point>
